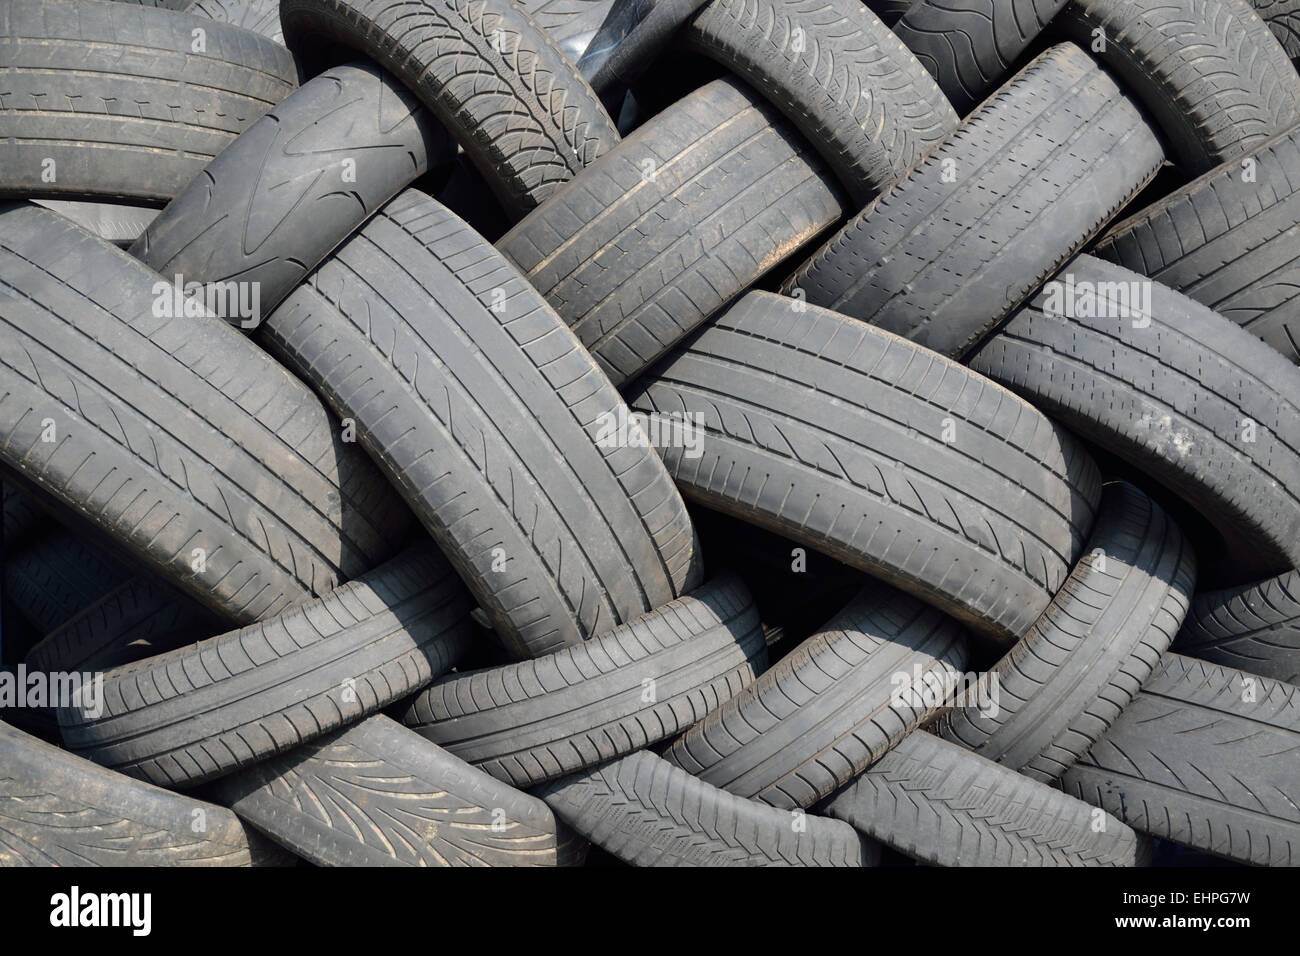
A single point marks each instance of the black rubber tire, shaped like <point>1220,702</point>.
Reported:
<point>1194,761</point>
<point>1231,245</point>
<point>260,16</point>
<point>198,712</point>
<point>1283,18</point>
<point>889,11</point>
<point>117,97</point>
<point>1037,171</point>
<point>832,706</point>
<point>175,434</point>
<point>646,812</point>
<point>525,117</point>
<point>970,45</point>
<point>536,720</point>
<point>1209,72</point>
<point>839,75</point>
<point>570,23</point>
<point>1069,678</point>
<point>484,411</point>
<point>118,223</point>
<point>59,810</point>
<point>634,264</point>
<point>275,203</point>
<point>1171,398</point>
<point>1253,627</point>
<point>945,806</point>
<point>378,794</point>
<point>829,432</point>
<point>57,575</point>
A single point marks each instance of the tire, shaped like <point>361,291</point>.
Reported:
<point>198,712</point>
<point>164,110</point>
<point>526,118</point>
<point>634,265</point>
<point>970,45</point>
<point>1283,18</point>
<point>1169,397</point>
<point>181,441</point>
<point>830,433</point>
<point>945,806</point>
<point>647,812</point>
<point>377,794</point>
<point>118,223</point>
<point>830,708</point>
<point>1082,662</point>
<point>559,536</point>
<point>56,576</point>
<point>1254,628</point>
<point>271,207</point>
<point>260,16</point>
<point>1191,761</point>
<point>1209,72</point>
<point>533,721</point>
<point>59,810</point>
<point>1053,156</point>
<point>839,75</point>
<point>889,11</point>
<point>1228,244</point>
<point>570,23</point>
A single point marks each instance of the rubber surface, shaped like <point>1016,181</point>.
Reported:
<point>1253,627</point>
<point>1283,18</point>
<point>260,16</point>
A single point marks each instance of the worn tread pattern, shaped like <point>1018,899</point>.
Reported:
<point>117,97</point>
<point>831,432</point>
<point>260,16</point>
<point>646,812</point>
<point>645,681</point>
<point>634,264</point>
<point>525,116</point>
<point>832,706</point>
<point>1203,756</point>
<point>945,806</point>
<point>1229,244</point>
<point>838,74</point>
<point>1283,18</point>
<point>57,575</point>
<point>198,712</point>
<point>1252,627</point>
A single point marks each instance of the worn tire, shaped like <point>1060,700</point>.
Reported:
<point>57,575</point>
<point>526,118</point>
<point>198,712</point>
<point>115,96</point>
<point>647,680</point>
<point>260,16</point>
<point>831,707</point>
<point>377,794</point>
<point>646,812</point>
<point>1209,72</point>
<point>1051,158</point>
<point>857,94</point>
<point>1193,761</point>
<point>634,265</point>
<point>1283,18</point>
<point>1253,627</point>
<point>118,223</point>
<point>945,806</point>
<point>830,432</point>
<point>1231,245</point>
<point>1170,397</point>
<point>1069,678</point>
<point>175,434</point>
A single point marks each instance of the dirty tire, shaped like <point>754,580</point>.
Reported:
<point>118,223</point>
<point>1069,678</point>
<point>1230,245</point>
<point>830,432</point>
<point>646,812</point>
<point>831,707</point>
<point>272,205</point>
<point>377,794</point>
<point>56,575</point>
<point>198,712</point>
<point>1169,397</point>
<point>1034,174</point>
<point>1283,18</point>
<point>526,118</point>
<point>163,111</point>
<point>536,720</point>
<point>183,442</point>
<point>572,24</point>
<point>1253,627</point>
<point>57,809</point>
<point>969,45</point>
<point>1192,761</point>
<point>944,806</point>
<point>635,264</point>
<point>847,84</point>
<point>1209,72</point>
<point>486,414</point>
<point>260,16</point>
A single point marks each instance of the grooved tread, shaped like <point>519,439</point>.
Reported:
<point>1253,627</point>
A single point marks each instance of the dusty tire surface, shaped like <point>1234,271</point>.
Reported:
<point>1252,627</point>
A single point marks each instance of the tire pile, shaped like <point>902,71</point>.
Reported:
<point>757,432</point>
